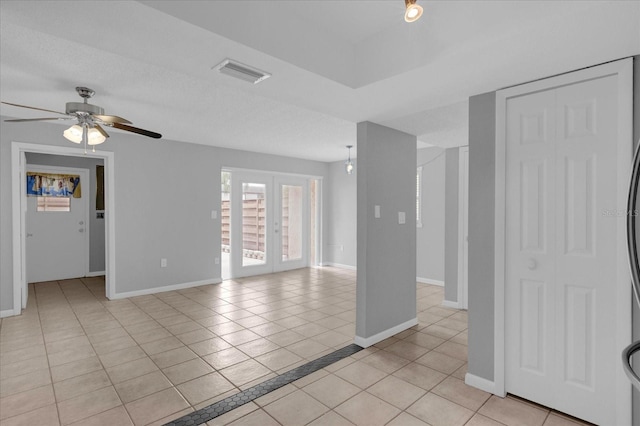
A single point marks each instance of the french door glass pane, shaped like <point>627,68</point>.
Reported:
<point>254,221</point>
<point>291,220</point>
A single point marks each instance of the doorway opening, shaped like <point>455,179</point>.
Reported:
<point>19,209</point>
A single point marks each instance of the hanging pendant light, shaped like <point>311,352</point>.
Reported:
<point>349,167</point>
<point>413,11</point>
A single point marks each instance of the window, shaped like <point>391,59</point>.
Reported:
<point>54,204</point>
<point>419,197</point>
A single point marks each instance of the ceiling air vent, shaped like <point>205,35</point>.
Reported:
<point>242,71</point>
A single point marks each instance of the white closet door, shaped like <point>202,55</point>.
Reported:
<point>561,248</point>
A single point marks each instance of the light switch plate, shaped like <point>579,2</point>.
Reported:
<point>402,219</point>
<point>214,214</point>
<point>376,211</point>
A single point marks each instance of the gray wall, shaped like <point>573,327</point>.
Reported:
<point>451,225</point>
<point>96,226</point>
<point>430,255</point>
<point>164,194</point>
<point>386,282</point>
<point>482,134</point>
<point>341,206</point>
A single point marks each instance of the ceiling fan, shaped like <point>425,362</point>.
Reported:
<point>90,119</point>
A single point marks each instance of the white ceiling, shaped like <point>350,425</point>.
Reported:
<point>334,63</point>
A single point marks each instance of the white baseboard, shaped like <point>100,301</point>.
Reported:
<point>481,383</point>
<point>365,342</point>
<point>96,274</point>
<point>430,281</point>
<point>173,287</point>
<point>340,265</point>
<point>7,313</point>
<point>450,304</point>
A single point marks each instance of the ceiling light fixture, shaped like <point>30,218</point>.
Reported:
<point>413,12</point>
<point>83,133</point>
<point>349,167</point>
<point>242,71</point>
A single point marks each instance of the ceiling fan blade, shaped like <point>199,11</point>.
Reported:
<point>35,119</point>
<point>38,109</point>
<point>136,130</point>
<point>112,119</point>
<point>101,130</point>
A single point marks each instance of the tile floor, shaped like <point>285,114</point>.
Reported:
<point>76,358</point>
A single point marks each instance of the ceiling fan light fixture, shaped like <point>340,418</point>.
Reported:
<point>349,167</point>
<point>94,137</point>
<point>413,11</point>
<point>73,134</point>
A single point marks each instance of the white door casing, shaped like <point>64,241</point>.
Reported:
<point>565,316</point>
<point>57,243</point>
<point>463,227</point>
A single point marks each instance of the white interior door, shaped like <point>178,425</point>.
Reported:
<point>57,241</point>
<point>561,241</point>
<point>269,223</point>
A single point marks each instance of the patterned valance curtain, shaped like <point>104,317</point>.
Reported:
<point>53,185</point>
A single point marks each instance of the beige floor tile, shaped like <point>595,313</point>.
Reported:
<point>195,336</point>
<point>455,350</point>
<point>23,402</point>
<point>186,371</point>
<point>307,409</point>
<point>66,344</point>
<point>156,406</point>
<point>557,419</point>
<point>361,374</point>
<point>461,372</point>
<point>23,367</point>
<point>64,334</point>
<point>150,335</point>
<point>438,411</point>
<point>365,409</point>
<point>10,357</point>
<point>331,390</point>
<point>21,342</point>
<point>24,382</point>
<point>256,418</point>
<point>278,359</point>
<point>245,372</point>
<point>70,355</point>
<point>173,357</point>
<point>79,385</point>
<point>240,337</point>
<point>404,419</point>
<point>453,324</point>
<point>120,357</point>
<point>143,327</point>
<point>115,417</point>
<point>419,375</point>
<point>225,328</point>
<point>307,348</point>
<point>333,339</point>
<point>441,362</point>
<point>161,345</point>
<point>310,378</point>
<point>331,419</point>
<point>233,415</point>
<point>142,386</point>
<point>75,368</point>
<point>45,416</point>
<point>258,347</point>
<point>171,417</point>
<point>457,391</point>
<point>131,369</point>
<point>184,327</point>
<point>406,350</point>
<point>396,392</point>
<point>385,361</point>
<point>286,338</point>
<point>480,420</point>
<point>87,405</point>
<point>275,395</point>
<point>205,387</point>
<point>109,334</point>
<point>209,346</point>
<point>439,331</point>
<point>512,412</point>
<point>225,358</point>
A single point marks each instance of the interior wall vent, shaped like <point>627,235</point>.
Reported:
<point>242,71</point>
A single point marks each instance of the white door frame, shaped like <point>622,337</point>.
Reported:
<point>463,226</point>
<point>85,177</point>
<point>18,201</point>
<point>624,71</point>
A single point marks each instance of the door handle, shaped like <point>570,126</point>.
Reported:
<point>81,230</point>
<point>532,264</point>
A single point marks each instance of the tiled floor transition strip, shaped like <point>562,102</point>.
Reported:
<point>221,407</point>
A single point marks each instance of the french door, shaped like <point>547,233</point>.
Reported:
<point>269,223</point>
